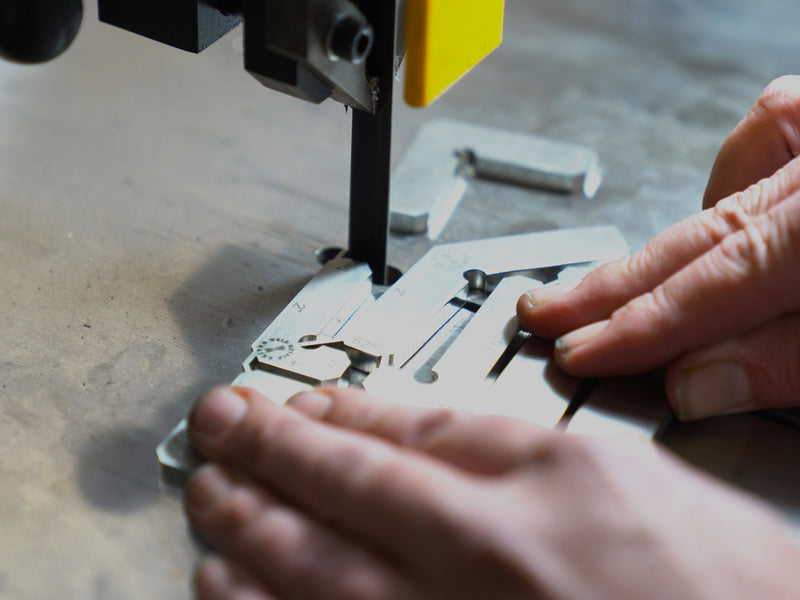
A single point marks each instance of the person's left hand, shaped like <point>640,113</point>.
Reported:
<point>342,497</point>
<point>715,297</point>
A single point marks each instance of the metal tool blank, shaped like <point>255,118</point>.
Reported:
<point>444,334</point>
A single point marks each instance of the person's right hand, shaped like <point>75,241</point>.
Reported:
<point>716,296</point>
<point>340,496</point>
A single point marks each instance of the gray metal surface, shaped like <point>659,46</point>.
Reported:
<point>159,208</point>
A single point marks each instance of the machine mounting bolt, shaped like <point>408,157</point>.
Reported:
<point>350,39</point>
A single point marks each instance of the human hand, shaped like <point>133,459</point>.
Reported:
<point>716,296</point>
<point>340,496</point>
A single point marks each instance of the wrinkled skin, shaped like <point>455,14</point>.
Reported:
<point>338,496</point>
<point>716,297</point>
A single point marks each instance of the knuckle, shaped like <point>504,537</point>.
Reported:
<point>732,213</point>
<point>426,431</point>
<point>392,476</point>
<point>302,557</point>
<point>261,437</point>
<point>663,300</point>
<point>281,534</point>
<point>347,462</point>
<point>757,245</point>
<point>737,212</point>
<point>631,265</point>
<point>780,103</point>
<point>351,474</point>
<point>610,282</point>
<point>616,274</point>
<point>658,306</point>
<point>313,559</point>
<point>561,450</point>
<point>237,512</point>
<point>644,267</point>
<point>576,449</point>
<point>750,252</point>
<point>583,459</point>
<point>780,93</point>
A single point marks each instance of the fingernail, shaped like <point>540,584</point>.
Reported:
<point>216,413</point>
<point>715,388</point>
<point>535,298</point>
<point>312,404</point>
<point>208,487</point>
<point>579,337</point>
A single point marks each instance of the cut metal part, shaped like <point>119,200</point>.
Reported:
<point>432,177</point>
<point>443,335</point>
<point>312,49</point>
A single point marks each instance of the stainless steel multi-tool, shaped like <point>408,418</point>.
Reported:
<point>445,335</point>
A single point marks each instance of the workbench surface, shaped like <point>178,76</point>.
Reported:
<point>160,208</point>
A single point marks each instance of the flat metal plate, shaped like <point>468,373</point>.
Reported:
<point>445,334</point>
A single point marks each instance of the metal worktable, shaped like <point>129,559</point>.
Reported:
<point>158,209</point>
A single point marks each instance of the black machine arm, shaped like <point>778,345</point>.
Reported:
<point>345,50</point>
<point>311,49</point>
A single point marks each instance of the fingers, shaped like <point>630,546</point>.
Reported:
<point>277,547</point>
<point>756,371</point>
<point>763,145</point>
<point>748,279</point>
<point>550,313</point>
<point>364,486</point>
<point>220,579</point>
<point>763,142</point>
<point>477,443</point>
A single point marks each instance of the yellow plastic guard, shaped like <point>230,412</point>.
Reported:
<point>444,40</point>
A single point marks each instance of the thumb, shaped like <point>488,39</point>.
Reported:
<point>758,370</point>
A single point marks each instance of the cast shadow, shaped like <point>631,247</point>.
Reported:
<point>220,310</point>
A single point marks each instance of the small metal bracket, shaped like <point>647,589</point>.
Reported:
<point>433,175</point>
